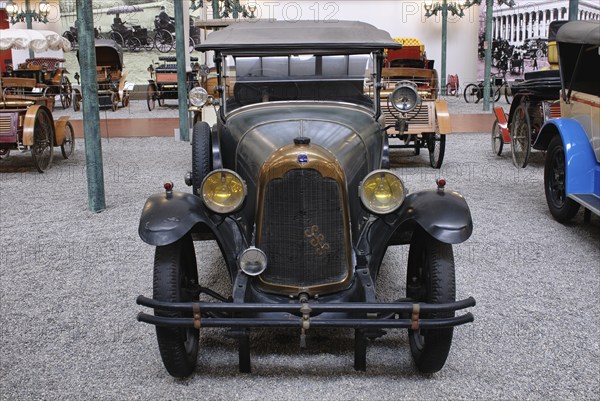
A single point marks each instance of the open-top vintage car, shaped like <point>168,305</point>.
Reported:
<point>26,126</point>
<point>535,101</point>
<point>572,142</point>
<point>291,184</point>
<point>163,80</point>
<point>425,126</point>
<point>39,79</point>
<point>110,76</point>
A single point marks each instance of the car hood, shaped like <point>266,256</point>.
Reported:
<point>348,131</point>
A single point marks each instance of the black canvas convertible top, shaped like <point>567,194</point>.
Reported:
<point>266,37</point>
<point>581,32</point>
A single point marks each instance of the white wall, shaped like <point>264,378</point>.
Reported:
<point>404,18</point>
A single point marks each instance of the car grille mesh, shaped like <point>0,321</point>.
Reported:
<point>302,231</point>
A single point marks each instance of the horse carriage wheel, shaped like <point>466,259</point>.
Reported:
<point>4,153</point>
<point>151,96</point>
<point>65,92</point>
<point>117,37</point>
<point>42,150</point>
<point>149,44</point>
<point>520,136</point>
<point>68,146</point>
<point>163,41</point>
<point>134,44</point>
<point>191,45</point>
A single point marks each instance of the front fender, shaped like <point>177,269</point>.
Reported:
<point>443,214</point>
<point>166,218</point>
<point>579,155</point>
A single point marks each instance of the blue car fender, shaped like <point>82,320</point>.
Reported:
<point>580,160</point>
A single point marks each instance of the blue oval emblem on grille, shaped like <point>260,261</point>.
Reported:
<point>302,158</point>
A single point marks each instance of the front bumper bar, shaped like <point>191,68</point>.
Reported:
<point>304,315</point>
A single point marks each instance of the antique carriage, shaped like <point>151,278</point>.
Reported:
<point>111,79</point>
<point>536,101</point>
<point>163,82</point>
<point>44,78</point>
<point>291,183</point>
<point>25,126</point>
<point>426,125</point>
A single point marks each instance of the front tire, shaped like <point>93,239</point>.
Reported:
<point>175,279</point>
<point>497,141</point>
<point>201,154</point>
<point>430,278</point>
<point>562,208</point>
<point>471,93</point>
<point>68,146</point>
<point>436,144</point>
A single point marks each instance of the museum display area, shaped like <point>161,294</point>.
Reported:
<point>406,207</point>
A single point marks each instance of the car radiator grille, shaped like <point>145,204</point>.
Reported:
<point>303,231</point>
<point>424,121</point>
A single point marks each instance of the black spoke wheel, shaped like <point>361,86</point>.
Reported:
<point>520,136</point>
<point>148,43</point>
<point>561,207</point>
<point>42,150</point>
<point>430,278</point>
<point>163,41</point>
<point>68,146</point>
<point>176,280</point>
<point>471,93</point>
<point>497,141</point>
<point>117,37</point>
<point>134,44</point>
<point>66,93</point>
<point>201,154</point>
<point>436,144</point>
<point>151,96</point>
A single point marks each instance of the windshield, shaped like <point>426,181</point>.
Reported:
<point>258,79</point>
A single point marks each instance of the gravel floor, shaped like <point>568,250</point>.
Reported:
<point>69,278</point>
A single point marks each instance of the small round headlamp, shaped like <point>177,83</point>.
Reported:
<point>253,261</point>
<point>198,96</point>
<point>223,191</point>
<point>405,97</point>
<point>382,192</point>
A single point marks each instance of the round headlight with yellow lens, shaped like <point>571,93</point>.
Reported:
<point>223,191</point>
<point>405,97</point>
<point>198,96</point>
<point>382,192</point>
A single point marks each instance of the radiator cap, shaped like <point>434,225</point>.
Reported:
<point>301,140</point>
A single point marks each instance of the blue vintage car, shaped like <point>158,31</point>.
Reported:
<point>572,168</point>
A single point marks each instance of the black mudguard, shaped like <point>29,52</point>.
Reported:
<point>168,217</point>
<point>443,214</point>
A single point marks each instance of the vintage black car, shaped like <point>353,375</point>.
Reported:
<point>292,184</point>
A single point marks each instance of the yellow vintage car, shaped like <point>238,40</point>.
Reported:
<point>26,126</point>
<point>418,118</point>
